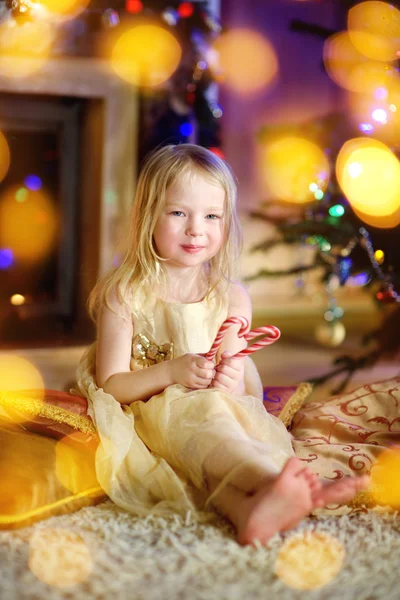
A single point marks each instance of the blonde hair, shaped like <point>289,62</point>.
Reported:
<point>141,268</point>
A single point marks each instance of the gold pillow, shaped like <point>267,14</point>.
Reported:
<point>43,476</point>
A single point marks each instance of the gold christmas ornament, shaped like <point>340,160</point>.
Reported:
<point>330,335</point>
<point>309,560</point>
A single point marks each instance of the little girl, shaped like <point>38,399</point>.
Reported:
<point>178,431</point>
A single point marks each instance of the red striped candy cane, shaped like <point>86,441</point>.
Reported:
<point>244,327</point>
<point>271,334</point>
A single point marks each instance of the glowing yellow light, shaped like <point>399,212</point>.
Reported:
<point>369,175</point>
<point>29,228</point>
<point>385,478</point>
<point>309,560</point>
<point>4,156</point>
<point>146,55</point>
<point>341,59</point>
<point>289,164</point>
<point>17,374</point>
<point>17,299</point>
<point>374,28</point>
<point>65,8</point>
<point>24,46</point>
<point>21,195</point>
<point>378,107</point>
<point>59,557</point>
<point>381,221</point>
<point>379,256</point>
<point>74,462</point>
<point>245,61</point>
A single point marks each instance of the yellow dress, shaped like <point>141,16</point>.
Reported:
<point>157,455</point>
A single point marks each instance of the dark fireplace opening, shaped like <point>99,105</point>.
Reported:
<point>40,209</point>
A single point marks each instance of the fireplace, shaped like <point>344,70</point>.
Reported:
<point>73,141</point>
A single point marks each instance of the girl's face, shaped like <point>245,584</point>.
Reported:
<point>190,229</point>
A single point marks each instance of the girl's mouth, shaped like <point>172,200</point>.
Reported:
<point>192,249</point>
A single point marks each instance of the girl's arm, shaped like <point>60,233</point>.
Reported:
<point>230,372</point>
<point>114,348</point>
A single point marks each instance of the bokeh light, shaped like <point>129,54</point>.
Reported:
<point>18,374</point>
<point>33,182</point>
<point>74,462</point>
<point>341,59</point>
<point>351,69</point>
<point>369,175</point>
<point>374,29</point>
<point>59,557</point>
<point>28,228</point>
<point>4,156</point>
<point>146,55</point>
<point>65,8</point>
<point>376,111</point>
<point>17,299</point>
<point>244,60</point>
<point>309,560</point>
<point>385,478</point>
<point>6,258</point>
<point>134,6</point>
<point>28,43</point>
<point>290,166</point>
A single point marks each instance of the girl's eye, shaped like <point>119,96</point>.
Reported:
<point>213,217</point>
<point>177,213</point>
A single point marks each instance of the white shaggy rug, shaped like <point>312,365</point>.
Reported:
<point>102,553</point>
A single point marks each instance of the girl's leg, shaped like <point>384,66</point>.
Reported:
<point>279,504</point>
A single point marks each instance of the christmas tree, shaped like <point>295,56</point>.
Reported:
<point>334,184</point>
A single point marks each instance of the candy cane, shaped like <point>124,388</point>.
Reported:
<point>271,335</point>
<point>244,327</point>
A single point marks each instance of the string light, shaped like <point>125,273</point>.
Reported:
<point>133,6</point>
<point>186,129</point>
<point>17,299</point>
<point>336,211</point>
<point>21,195</point>
<point>33,183</point>
<point>186,9</point>
<point>319,194</point>
<point>387,283</point>
<point>6,258</point>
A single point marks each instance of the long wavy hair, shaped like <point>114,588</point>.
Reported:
<point>142,270</point>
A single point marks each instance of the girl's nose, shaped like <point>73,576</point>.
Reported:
<point>194,229</point>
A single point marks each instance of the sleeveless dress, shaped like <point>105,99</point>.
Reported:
<point>157,455</point>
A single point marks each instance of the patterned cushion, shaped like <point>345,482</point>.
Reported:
<point>53,414</point>
<point>283,402</point>
<point>345,434</point>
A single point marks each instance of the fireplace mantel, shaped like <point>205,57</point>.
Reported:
<point>109,154</point>
<point>93,79</point>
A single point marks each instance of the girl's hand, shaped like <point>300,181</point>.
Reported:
<point>229,373</point>
<point>192,371</point>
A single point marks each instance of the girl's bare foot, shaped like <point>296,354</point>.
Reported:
<point>278,506</point>
<point>339,492</point>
